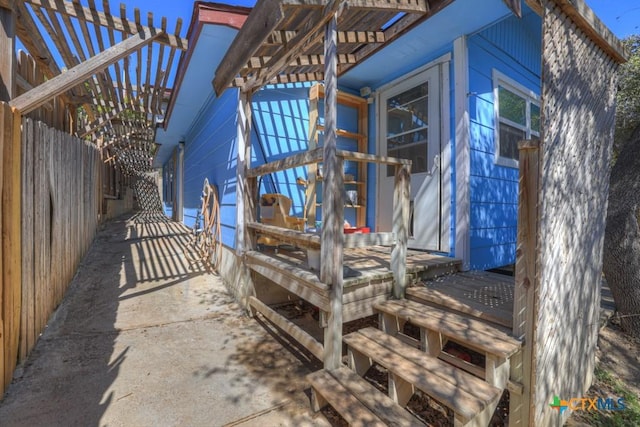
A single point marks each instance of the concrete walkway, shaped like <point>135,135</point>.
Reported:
<point>144,339</point>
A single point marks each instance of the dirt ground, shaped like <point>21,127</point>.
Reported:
<point>619,356</point>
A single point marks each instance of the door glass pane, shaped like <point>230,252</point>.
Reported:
<point>407,127</point>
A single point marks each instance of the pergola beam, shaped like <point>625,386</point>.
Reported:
<point>86,14</point>
<point>302,60</point>
<point>112,114</point>
<point>295,47</point>
<point>239,82</point>
<point>355,37</point>
<point>515,6</point>
<point>407,6</point>
<point>78,74</point>
<point>266,15</point>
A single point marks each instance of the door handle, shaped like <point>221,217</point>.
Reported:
<point>436,164</point>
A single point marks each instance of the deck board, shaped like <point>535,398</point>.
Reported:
<point>486,295</point>
<point>370,264</point>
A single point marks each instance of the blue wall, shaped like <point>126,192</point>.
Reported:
<point>211,152</point>
<point>281,125</point>
<point>513,48</point>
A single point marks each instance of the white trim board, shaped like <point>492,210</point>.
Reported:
<point>463,153</point>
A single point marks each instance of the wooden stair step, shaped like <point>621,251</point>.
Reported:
<point>465,394</point>
<point>460,328</point>
<point>432,296</point>
<point>326,390</point>
<point>357,401</point>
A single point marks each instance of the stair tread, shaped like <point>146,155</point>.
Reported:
<point>464,393</point>
<point>420,294</point>
<point>347,405</point>
<point>471,331</point>
<point>376,401</point>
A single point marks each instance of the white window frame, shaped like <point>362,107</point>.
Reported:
<point>529,96</point>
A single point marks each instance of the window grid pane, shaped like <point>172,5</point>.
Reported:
<point>512,106</point>
<point>509,138</point>
<point>535,117</point>
<point>408,127</point>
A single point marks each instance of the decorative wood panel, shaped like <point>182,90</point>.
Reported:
<point>579,81</point>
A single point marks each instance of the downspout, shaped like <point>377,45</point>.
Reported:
<point>179,214</point>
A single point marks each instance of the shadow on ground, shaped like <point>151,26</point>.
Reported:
<point>143,337</point>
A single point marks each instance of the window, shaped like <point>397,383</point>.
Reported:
<point>517,117</point>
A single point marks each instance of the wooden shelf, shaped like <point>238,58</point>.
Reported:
<point>319,205</point>
<point>344,133</point>
<point>358,174</point>
<point>320,179</point>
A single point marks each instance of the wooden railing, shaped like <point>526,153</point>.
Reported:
<point>336,241</point>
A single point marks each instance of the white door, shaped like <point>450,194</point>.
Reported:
<point>410,116</point>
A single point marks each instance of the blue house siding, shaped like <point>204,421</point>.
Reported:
<point>211,152</point>
<point>512,47</point>
<point>281,125</point>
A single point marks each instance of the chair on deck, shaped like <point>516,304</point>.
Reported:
<point>274,210</point>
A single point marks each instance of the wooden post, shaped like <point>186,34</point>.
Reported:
<point>179,174</point>
<point>310,207</point>
<point>245,188</point>
<point>331,256</point>
<point>11,238</point>
<point>400,229</point>
<point>524,304</point>
<point>7,90</point>
<point>7,51</point>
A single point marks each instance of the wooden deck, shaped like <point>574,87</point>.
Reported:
<point>367,276</point>
<point>363,265</point>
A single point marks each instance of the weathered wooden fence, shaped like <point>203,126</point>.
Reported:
<point>51,196</point>
<point>60,203</point>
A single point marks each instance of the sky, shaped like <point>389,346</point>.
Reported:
<point>621,16</point>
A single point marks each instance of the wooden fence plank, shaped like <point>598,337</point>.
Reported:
<point>11,239</point>
<point>38,237</point>
<point>4,119</point>
<point>27,328</point>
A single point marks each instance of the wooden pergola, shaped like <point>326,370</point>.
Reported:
<point>111,71</point>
